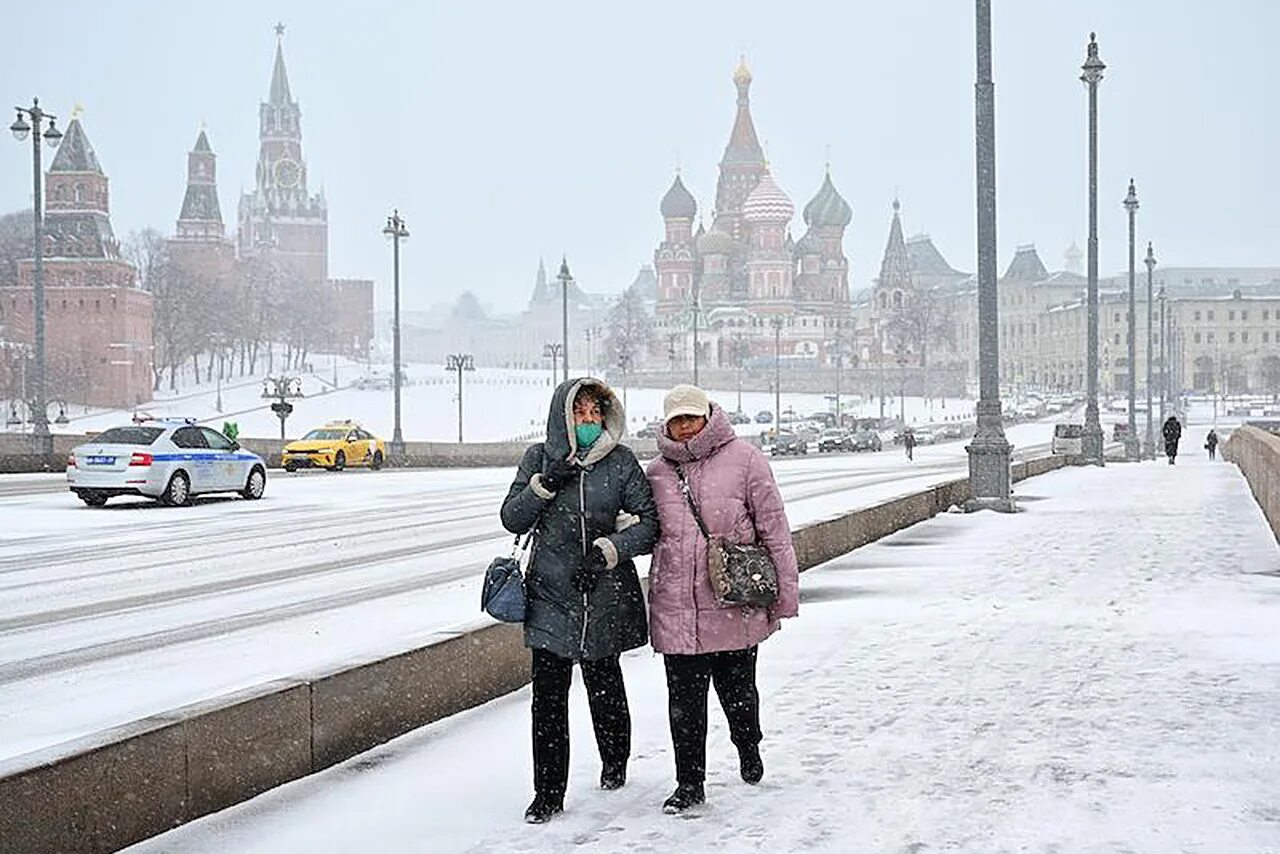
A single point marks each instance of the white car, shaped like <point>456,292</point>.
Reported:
<point>169,460</point>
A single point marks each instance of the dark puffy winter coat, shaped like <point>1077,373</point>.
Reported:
<point>1172,430</point>
<point>610,505</point>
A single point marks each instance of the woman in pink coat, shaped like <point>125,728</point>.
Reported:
<point>701,640</point>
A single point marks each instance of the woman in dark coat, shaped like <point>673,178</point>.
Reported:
<point>1211,444</point>
<point>594,512</point>
<point>1172,431</point>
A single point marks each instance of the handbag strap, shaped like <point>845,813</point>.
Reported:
<point>688,497</point>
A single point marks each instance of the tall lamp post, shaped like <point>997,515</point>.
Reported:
<point>1131,447</point>
<point>565,281</point>
<point>1150,261</point>
<point>902,383</point>
<point>1092,444</point>
<point>739,356</point>
<point>397,231</point>
<point>1164,347</point>
<point>459,362</point>
<point>776,323</point>
<point>990,472</point>
<point>551,350</point>
<point>30,122</point>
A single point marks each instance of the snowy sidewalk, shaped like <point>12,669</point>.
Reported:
<point>1100,672</point>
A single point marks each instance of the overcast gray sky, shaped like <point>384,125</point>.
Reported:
<point>508,130</point>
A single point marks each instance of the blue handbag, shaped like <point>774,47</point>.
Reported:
<point>502,596</point>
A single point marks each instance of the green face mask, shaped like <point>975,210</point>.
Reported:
<point>587,434</point>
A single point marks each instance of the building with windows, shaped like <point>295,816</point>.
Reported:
<point>98,321</point>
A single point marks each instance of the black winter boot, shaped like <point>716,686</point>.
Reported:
<point>542,809</point>
<point>750,763</point>
<point>613,777</point>
<point>685,796</point>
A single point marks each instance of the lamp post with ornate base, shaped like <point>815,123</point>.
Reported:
<point>1092,439</point>
<point>990,472</point>
<point>459,362</point>
<point>397,231</point>
<point>51,135</point>
<point>1132,448</point>
<point>1150,261</point>
<point>565,281</point>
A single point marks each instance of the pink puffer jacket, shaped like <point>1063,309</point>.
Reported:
<point>736,494</point>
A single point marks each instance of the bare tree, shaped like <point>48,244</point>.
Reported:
<point>17,241</point>
<point>630,329</point>
<point>922,325</point>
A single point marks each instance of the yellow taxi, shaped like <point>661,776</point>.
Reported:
<point>335,446</point>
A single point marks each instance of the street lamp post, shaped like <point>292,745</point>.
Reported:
<point>739,356</point>
<point>397,231</point>
<point>1092,444</point>
<point>1150,261</point>
<point>902,384</point>
<point>776,323</point>
<point>551,350</point>
<point>51,135</point>
<point>839,353</point>
<point>1131,447</point>
<point>565,281</point>
<point>1164,348</point>
<point>696,309</point>
<point>459,362</point>
<point>990,473</point>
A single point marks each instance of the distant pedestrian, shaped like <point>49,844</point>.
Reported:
<point>592,511</point>
<point>1211,444</point>
<point>704,642</point>
<point>909,442</point>
<point>1172,431</point>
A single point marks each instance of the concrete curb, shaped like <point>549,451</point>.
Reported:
<point>119,786</point>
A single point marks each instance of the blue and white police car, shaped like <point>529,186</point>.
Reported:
<point>171,460</point>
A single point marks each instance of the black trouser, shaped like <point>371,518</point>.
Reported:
<point>607,696</point>
<point>734,675</point>
<point>1213,450</point>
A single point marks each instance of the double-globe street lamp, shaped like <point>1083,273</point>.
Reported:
<point>30,122</point>
<point>397,231</point>
<point>1131,447</point>
<point>1092,439</point>
<point>459,362</point>
<point>551,350</point>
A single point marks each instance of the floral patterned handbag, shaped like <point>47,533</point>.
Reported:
<point>740,574</point>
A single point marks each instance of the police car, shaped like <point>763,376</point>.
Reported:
<point>171,460</point>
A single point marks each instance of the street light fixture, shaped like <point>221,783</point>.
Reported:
<point>1164,347</point>
<point>902,383</point>
<point>459,362</point>
<point>397,231</point>
<point>990,471</point>
<point>1131,446</point>
<point>52,136</point>
<point>776,323</point>
<point>552,351</point>
<point>1150,261</point>
<point>565,281</point>
<point>1092,439</point>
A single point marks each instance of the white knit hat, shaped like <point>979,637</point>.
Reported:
<point>685,400</point>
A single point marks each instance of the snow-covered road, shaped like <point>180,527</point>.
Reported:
<point>1099,672</point>
<point>108,615</point>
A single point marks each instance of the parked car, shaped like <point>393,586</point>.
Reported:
<point>171,460</point>
<point>834,439</point>
<point>1068,439</point>
<point>925,435</point>
<point>650,430</point>
<point>764,417</point>
<point>787,442</point>
<point>1119,431</point>
<point>335,446</point>
<point>865,440</point>
<point>739,418</point>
